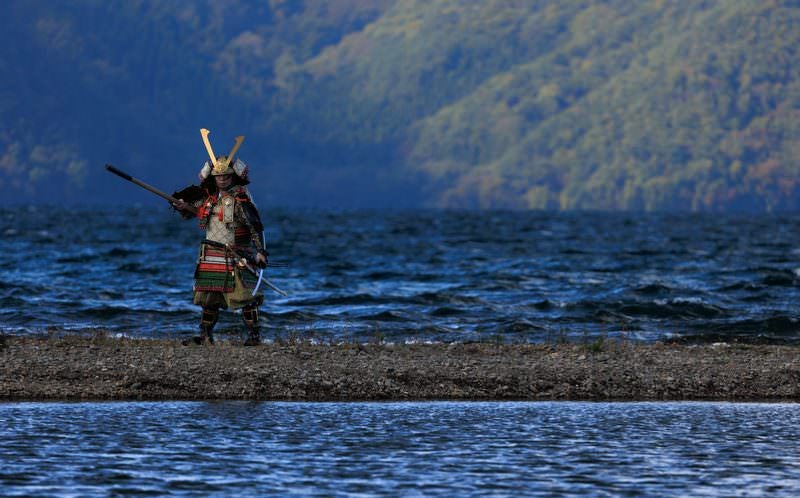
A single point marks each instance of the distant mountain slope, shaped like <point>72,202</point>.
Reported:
<point>684,105</point>
<point>592,104</point>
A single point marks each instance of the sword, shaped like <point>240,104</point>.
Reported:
<point>261,272</point>
<point>260,276</point>
<point>262,279</point>
<point>273,287</point>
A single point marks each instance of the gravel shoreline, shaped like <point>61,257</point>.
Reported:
<point>84,368</point>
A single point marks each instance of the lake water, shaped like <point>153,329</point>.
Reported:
<point>399,449</point>
<point>409,276</point>
<point>416,275</point>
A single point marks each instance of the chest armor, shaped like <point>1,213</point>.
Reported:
<point>222,223</point>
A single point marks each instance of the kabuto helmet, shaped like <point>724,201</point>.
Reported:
<point>222,165</point>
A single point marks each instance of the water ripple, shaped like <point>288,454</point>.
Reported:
<point>391,449</point>
<point>527,274</point>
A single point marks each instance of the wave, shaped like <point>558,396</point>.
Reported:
<point>675,309</point>
<point>434,273</point>
<point>653,289</point>
<point>387,316</point>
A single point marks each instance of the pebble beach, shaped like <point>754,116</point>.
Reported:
<point>103,368</point>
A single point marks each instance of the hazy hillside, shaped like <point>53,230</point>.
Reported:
<point>683,105</point>
<point>526,104</point>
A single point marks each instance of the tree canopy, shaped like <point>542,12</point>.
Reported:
<point>531,104</point>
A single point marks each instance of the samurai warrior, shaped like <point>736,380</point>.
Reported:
<point>226,275</point>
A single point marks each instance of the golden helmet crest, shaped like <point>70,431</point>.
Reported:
<point>220,165</point>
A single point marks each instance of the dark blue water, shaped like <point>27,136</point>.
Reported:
<point>417,275</point>
<point>400,449</point>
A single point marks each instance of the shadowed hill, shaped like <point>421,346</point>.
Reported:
<point>533,104</point>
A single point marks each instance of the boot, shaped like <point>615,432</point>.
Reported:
<point>253,338</point>
<point>250,318</point>
<point>208,319</point>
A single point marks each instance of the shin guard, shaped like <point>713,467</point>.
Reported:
<point>250,318</point>
<point>208,319</point>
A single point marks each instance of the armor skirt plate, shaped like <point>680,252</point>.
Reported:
<point>220,282</point>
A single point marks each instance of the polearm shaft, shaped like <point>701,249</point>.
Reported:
<point>145,186</point>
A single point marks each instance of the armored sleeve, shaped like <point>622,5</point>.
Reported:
<point>247,213</point>
<point>193,195</point>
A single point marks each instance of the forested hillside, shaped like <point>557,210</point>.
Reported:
<point>591,104</point>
